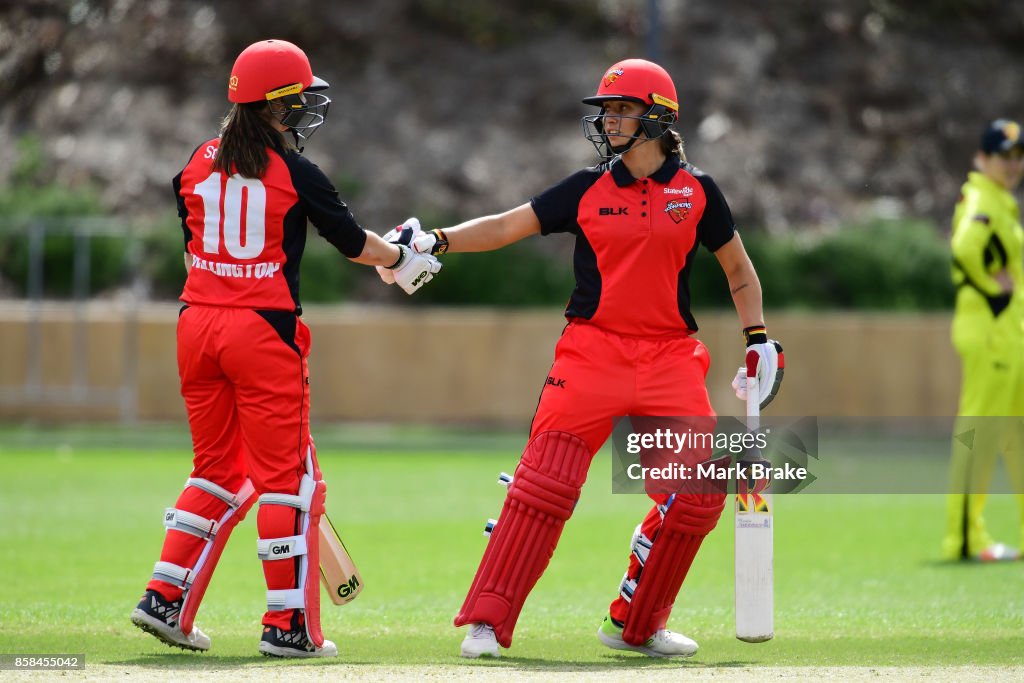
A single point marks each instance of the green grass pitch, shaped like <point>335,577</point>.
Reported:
<point>857,579</point>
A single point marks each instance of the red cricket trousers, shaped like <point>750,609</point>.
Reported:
<point>599,375</point>
<point>245,381</point>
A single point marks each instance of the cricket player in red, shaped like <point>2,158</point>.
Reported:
<point>244,199</point>
<point>628,349</point>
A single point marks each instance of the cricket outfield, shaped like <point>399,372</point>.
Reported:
<point>859,590</point>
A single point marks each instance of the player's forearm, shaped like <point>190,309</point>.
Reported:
<point>743,282</point>
<point>377,252</point>
<point>493,232</point>
<point>746,296</point>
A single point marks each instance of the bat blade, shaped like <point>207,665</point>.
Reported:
<point>338,573</point>
<point>754,544</point>
<point>754,575</point>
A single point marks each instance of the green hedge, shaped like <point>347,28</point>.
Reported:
<point>883,265</point>
<point>879,266</point>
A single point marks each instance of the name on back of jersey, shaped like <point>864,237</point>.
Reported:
<point>257,271</point>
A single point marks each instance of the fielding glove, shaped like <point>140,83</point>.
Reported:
<point>764,360</point>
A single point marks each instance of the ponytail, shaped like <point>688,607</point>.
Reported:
<point>672,143</point>
<point>245,135</point>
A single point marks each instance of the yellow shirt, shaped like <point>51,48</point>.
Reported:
<point>987,237</point>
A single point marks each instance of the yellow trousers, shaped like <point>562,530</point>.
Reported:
<point>990,423</point>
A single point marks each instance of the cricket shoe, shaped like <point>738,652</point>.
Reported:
<point>159,617</point>
<point>277,642</point>
<point>663,643</point>
<point>480,642</point>
<point>998,552</point>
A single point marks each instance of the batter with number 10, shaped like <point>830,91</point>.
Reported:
<point>244,199</point>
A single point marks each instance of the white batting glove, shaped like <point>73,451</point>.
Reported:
<point>764,360</point>
<point>402,234</point>
<point>414,270</point>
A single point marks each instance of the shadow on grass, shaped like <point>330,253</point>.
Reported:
<point>206,661</point>
<point>613,662</point>
<point>968,563</point>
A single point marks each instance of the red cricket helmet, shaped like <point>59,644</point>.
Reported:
<point>277,69</point>
<point>636,80</point>
<point>264,68</point>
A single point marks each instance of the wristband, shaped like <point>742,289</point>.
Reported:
<point>441,245</point>
<point>755,334</point>
<point>403,251</point>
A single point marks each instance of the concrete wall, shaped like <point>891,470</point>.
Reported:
<point>420,364</point>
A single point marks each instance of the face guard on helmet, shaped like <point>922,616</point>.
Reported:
<point>277,71</point>
<point>302,110</point>
<point>634,80</point>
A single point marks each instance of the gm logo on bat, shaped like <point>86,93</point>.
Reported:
<point>346,589</point>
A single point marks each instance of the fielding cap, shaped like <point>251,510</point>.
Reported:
<point>1001,135</point>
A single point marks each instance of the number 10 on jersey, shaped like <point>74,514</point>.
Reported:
<point>245,205</point>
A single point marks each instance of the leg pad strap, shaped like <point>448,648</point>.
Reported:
<point>280,548</point>
<point>173,574</point>
<point>234,500</point>
<point>288,598</point>
<point>190,523</point>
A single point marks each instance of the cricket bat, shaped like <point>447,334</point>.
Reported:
<point>753,516</point>
<point>338,572</point>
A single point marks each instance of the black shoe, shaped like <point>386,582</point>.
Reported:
<point>293,643</point>
<point>159,617</point>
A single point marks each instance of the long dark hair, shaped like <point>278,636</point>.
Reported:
<point>672,143</point>
<point>245,135</point>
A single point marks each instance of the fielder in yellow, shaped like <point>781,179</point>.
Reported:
<point>988,333</point>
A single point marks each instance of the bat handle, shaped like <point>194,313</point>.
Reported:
<point>753,404</point>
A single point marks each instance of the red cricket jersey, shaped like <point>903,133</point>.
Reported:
<point>245,236</point>
<point>635,242</point>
